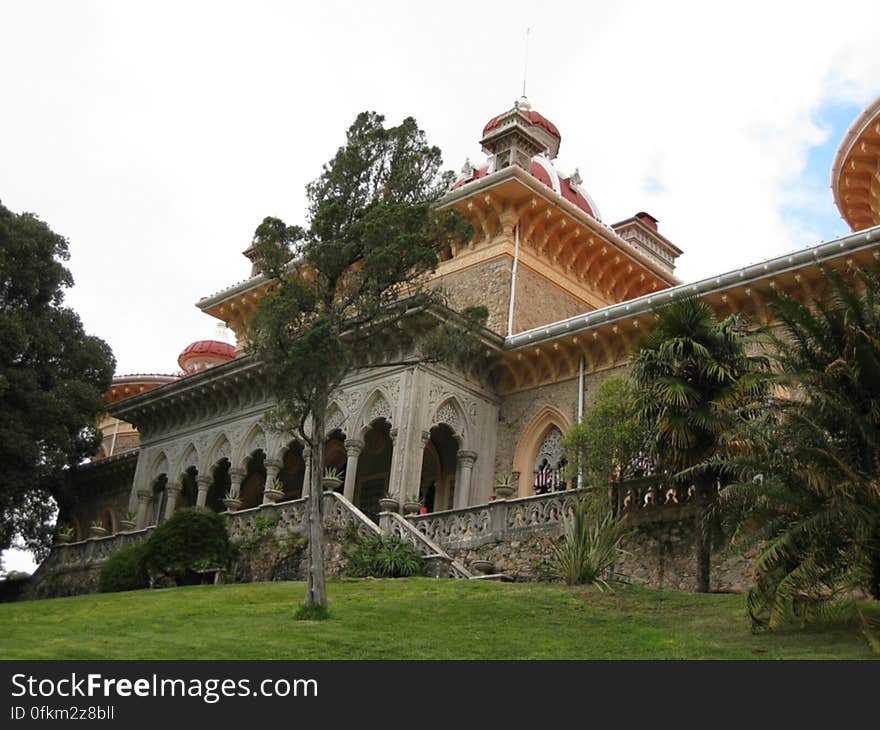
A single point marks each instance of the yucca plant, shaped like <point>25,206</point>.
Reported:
<point>591,543</point>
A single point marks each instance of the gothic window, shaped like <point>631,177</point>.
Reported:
<point>550,464</point>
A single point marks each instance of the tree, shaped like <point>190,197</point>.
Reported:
<point>695,381</point>
<point>607,443</point>
<point>51,378</point>
<point>807,472</point>
<point>349,290</point>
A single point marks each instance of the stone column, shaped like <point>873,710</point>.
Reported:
<point>465,465</point>
<point>353,448</point>
<point>144,497</point>
<point>235,477</point>
<point>307,477</point>
<point>273,466</point>
<point>204,483</point>
<point>395,483</point>
<point>173,491</point>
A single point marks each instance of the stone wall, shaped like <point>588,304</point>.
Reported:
<point>75,568</point>
<point>486,284</point>
<point>539,301</point>
<point>662,555</point>
<point>271,539</point>
<point>517,536</point>
<point>519,410</point>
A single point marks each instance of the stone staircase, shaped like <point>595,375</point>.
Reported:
<point>440,564</point>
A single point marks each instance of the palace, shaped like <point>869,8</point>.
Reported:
<point>569,295</point>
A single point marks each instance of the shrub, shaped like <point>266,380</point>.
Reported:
<point>591,544</point>
<point>383,556</point>
<point>124,571</point>
<point>187,542</point>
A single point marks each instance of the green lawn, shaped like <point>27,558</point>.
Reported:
<point>416,618</point>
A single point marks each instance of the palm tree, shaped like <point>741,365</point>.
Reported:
<point>694,378</point>
<point>808,471</point>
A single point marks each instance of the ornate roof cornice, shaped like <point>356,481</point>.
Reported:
<point>538,189</point>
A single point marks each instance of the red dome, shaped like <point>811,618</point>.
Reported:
<point>539,172</point>
<point>477,173</point>
<point>206,348</point>
<point>533,116</point>
<point>573,196</point>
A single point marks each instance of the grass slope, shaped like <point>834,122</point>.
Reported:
<point>417,618</point>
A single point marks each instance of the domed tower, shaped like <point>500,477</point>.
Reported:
<point>121,436</point>
<point>855,173</point>
<point>540,251</point>
<point>204,354</point>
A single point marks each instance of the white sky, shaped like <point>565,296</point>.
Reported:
<point>156,136</point>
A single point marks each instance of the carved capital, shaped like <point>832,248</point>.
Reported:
<point>353,447</point>
<point>174,488</point>
<point>144,495</point>
<point>426,436</point>
<point>236,474</point>
<point>275,464</point>
<point>467,458</point>
<point>204,481</point>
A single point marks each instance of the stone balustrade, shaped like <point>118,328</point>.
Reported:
<point>93,550</point>
<point>503,519</point>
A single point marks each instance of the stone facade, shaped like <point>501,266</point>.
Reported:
<point>486,284</point>
<point>539,301</point>
<point>517,537</point>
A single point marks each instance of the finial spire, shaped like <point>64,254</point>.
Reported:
<point>526,64</point>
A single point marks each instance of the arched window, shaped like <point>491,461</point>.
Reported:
<point>550,464</point>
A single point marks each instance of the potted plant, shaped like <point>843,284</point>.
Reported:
<point>128,521</point>
<point>411,505</point>
<point>273,492</point>
<point>332,480</point>
<point>389,503</point>
<point>97,529</point>
<point>64,534</point>
<point>504,486</point>
<point>231,501</point>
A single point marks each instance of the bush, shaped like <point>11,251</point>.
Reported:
<point>591,543</point>
<point>383,556</point>
<point>188,542</point>
<point>124,571</point>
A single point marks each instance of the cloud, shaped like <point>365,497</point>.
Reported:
<point>156,138</point>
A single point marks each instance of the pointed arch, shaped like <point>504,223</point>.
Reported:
<point>222,449</point>
<point>451,413</point>
<point>530,441</point>
<point>376,407</point>
<point>189,458</point>
<point>159,464</point>
<point>335,419</point>
<point>254,440</point>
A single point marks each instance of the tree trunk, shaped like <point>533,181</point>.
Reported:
<point>703,486</point>
<point>874,588</point>
<point>316,592</point>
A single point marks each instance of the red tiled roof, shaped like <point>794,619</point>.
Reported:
<point>533,116</point>
<point>206,347</point>
<point>573,196</point>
